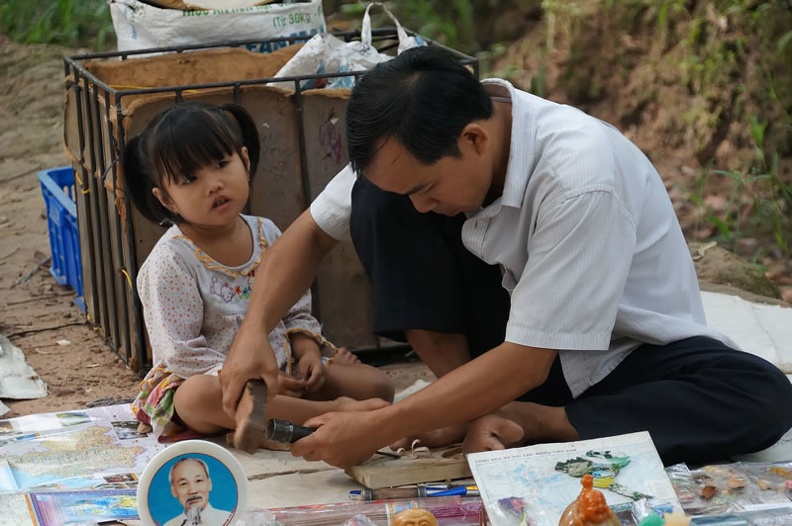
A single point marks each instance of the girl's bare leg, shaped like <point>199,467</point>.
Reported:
<point>354,380</point>
<point>199,405</point>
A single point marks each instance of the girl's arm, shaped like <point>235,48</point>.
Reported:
<point>300,319</point>
<point>307,342</point>
<point>307,351</point>
<point>173,311</point>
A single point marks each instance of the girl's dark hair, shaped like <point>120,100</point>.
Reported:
<point>180,141</point>
<point>422,98</point>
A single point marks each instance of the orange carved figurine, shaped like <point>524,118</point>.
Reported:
<point>414,517</point>
<point>589,509</point>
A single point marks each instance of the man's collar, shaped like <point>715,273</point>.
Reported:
<point>513,184</point>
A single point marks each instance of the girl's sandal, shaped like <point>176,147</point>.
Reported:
<point>251,416</point>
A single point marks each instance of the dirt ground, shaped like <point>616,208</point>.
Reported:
<point>38,315</point>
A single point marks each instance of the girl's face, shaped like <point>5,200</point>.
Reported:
<point>214,196</point>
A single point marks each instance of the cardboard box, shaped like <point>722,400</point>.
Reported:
<point>302,135</point>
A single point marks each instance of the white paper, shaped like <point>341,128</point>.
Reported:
<point>18,380</point>
<point>544,479</point>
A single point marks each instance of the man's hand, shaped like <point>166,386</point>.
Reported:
<point>344,439</point>
<point>250,357</point>
<point>492,432</point>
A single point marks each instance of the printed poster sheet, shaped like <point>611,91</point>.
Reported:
<point>72,466</point>
<point>533,485</point>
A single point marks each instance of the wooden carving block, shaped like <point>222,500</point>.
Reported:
<point>436,465</point>
<point>264,444</point>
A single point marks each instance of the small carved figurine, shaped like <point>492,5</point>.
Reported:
<point>677,518</point>
<point>589,509</point>
<point>414,517</point>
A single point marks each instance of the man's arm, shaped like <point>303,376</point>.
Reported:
<point>470,391</point>
<point>286,272</point>
<point>442,353</point>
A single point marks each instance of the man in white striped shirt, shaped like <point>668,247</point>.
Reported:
<point>606,332</point>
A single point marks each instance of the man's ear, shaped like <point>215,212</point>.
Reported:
<point>474,136</point>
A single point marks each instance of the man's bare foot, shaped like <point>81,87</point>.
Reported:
<point>435,438</point>
<point>540,423</point>
<point>492,432</point>
<point>345,356</point>
<point>251,416</point>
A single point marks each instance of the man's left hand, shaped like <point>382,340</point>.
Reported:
<point>342,439</point>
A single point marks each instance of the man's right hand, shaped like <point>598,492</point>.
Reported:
<point>250,358</point>
<point>286,272</point>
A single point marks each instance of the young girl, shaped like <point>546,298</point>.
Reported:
<point>191,167</point>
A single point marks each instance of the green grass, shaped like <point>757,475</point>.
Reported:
<point>72,23</point>
<point>759,201</point>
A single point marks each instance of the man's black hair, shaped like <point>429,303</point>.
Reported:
<point>422,98</point>
<point>180,141</point>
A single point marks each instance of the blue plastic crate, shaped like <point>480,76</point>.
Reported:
<point>57,186</point>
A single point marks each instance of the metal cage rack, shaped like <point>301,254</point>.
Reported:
<point>303,149</point>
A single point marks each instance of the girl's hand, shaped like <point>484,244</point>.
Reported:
<point>310,368</point>
<point>290,386</point>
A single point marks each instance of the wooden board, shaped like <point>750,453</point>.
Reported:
<point>439,465</point>
<point>264,444</point>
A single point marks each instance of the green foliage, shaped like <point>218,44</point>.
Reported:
<point>459,24</point>
<point>450,23</point>
<point>730,58</point>
<point>737,68</point>
<point>74,23</point>
<point>760,201</point>
<point>727,59</point>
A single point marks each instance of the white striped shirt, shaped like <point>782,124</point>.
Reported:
<point>586,236</point>
<point>588,242</point>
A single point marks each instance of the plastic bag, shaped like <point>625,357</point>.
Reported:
<point>325,53</point>
<point>139,25</point>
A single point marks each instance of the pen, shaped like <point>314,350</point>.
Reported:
<point>458,490</point>
<point>413,492</point>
